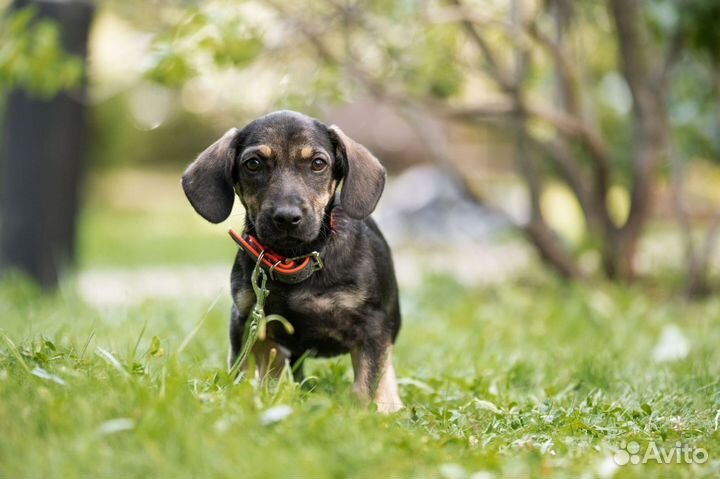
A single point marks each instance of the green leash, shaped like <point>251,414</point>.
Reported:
<point>256,325</point>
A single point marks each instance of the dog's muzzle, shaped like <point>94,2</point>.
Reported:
<point>287,218</point>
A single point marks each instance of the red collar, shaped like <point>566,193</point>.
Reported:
<point>281,268</point>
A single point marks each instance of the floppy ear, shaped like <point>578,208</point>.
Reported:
<point>364,176</point>
<point>207,182</point>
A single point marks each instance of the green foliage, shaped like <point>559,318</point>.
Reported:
<point>518,380</point>
<point>701,19</point>
<point>214,37</point>
<point>431,65</point>
<point>421,57</point>
<point>662,18</point>
<point>31,56</point>
<point>170,67</point>
<point>228,49</point>
<point>694,111</point>
<point>327,86</point>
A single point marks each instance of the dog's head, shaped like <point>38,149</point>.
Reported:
<point>285,168</point>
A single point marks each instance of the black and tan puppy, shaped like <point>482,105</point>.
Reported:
<point>286,168</point>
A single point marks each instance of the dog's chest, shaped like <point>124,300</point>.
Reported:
<point>329,318</point>
<point>337,301</point>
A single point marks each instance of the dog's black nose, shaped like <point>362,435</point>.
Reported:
<point>287,217</point>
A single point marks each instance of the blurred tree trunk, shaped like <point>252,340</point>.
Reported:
<point>546,242</point>
<point>43,152</point>
<point>650,132</point>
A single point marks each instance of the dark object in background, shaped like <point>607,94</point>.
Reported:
<point>42,161</point>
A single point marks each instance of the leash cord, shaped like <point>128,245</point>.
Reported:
<point>256,324</point>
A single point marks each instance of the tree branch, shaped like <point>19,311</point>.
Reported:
<point>495,70</point>
<point>563,68</point>
<point>650,123</point>
<point>570,124</point>
<point>626,16</point>
<point>575,128</point>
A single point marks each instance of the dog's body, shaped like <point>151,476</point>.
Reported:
<point>285,168</point>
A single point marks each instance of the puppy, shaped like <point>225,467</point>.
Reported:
<point>308,192</point>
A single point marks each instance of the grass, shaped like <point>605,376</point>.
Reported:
<point>523,380</point>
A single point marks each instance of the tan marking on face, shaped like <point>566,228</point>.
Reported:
<point>306,152</point>
<point>265,150</point>
<point>252,204</point>
<point>320,201</point>
<point>328,302</point>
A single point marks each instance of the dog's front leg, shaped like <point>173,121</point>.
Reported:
<point>375,376</point>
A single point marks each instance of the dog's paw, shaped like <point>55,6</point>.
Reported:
<point>389,407</point>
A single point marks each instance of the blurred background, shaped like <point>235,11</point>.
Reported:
<point>553,208</point>
<point>522,137</point>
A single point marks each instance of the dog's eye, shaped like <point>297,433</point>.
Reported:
<point>318,164</point>
<point>253,165</point>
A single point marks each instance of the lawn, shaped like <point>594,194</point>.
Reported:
<point>528,378</point>
<point>522,380</point>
